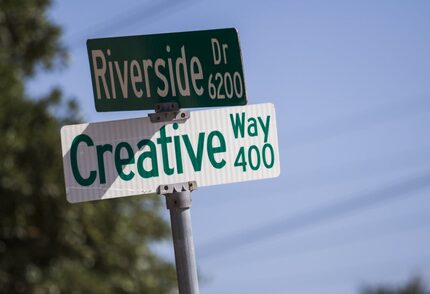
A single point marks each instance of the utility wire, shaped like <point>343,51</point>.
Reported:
<point>349,171</point>
<point>372,165</point>
<point>318,215</point>
<point>350,235</point>
<point>145,12</point>
<point>358,121</point>
<point>326,275</point>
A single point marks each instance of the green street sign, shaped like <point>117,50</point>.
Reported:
<point>193,69</point>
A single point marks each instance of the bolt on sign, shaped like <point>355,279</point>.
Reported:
<point>194,69</point>
<point>135,156</point>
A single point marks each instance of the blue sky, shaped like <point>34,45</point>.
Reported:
<point>350,81</point>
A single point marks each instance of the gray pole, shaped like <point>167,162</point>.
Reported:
<point>179,204</point>
<point>178,201</point>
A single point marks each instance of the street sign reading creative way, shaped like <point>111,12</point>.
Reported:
<point>194,69</point>
<point>134,156</point>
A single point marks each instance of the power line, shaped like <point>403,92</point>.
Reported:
<point>420,221</point>
<point>326,275</point>
<point>325,213</point>
<point>372,166</point>
<point>144,12</point>
<point>359,121</point>
<point>336,127</point>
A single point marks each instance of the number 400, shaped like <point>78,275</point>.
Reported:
<point>255,157</point>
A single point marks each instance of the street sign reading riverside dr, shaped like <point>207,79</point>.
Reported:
<point>194,69</point>
<point>132,157</point>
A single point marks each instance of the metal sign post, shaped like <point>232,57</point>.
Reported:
<point>178,201</point>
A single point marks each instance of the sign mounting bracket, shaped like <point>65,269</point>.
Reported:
<point>179,187</point>
<point>168,112</point>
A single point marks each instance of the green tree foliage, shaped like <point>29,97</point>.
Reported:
<point>413,287</point>
<point>46,244</point>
